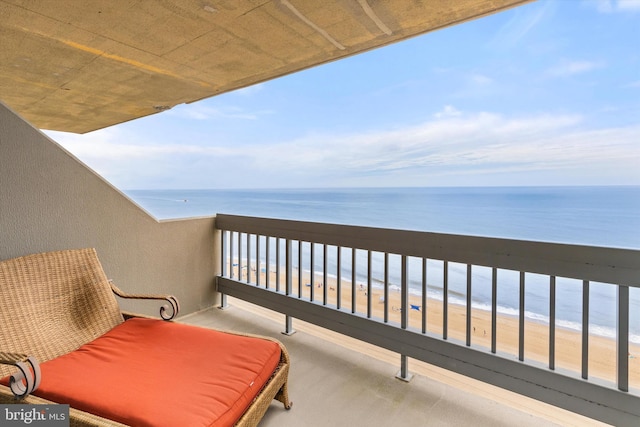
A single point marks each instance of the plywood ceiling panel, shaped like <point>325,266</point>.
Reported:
<point>78,66</point>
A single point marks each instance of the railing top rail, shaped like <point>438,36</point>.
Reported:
<point>593,263</point>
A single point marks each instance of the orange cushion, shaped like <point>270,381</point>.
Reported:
<point>154,373</point>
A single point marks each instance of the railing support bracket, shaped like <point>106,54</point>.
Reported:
<point>406,379</point>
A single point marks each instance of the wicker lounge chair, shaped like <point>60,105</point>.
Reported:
<point>52,304</point>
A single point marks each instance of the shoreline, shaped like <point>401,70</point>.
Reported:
<point>568,342</point>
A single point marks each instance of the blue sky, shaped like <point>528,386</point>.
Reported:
<point>543,94</point>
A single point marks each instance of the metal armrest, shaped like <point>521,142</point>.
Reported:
<point>173,302</point>
<point>27,379</point>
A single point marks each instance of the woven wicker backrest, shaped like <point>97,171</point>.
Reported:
<point>52,303</point>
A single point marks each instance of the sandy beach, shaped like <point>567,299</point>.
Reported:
<point>602,350</point>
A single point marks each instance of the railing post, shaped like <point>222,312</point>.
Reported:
<point>494,310</point>
<point>277,264</point>
<point>231,275</point>
<point>353,280</point>
<point>288,323</point>
<point>239,256</point>
<point>288,326</point>
<point>325,286</point>
<point>552,323</point>
<point>224,264</point>
<point>585,329</point>
<point>622,338</point>
<point>257,267</point>
<point>386,287</point>
<point>445,300</point>
<point>369,285</point>
<point>312,278</point>
<point>299,268</point>
<point>338,277</point>
<point>248,257</point>
<point>424,295</point>
<point>521,313</point>
<point>469,301</point>
<point>267,265</point>
<point>404,374</point>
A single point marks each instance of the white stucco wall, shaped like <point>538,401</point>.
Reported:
<point>49,200</point>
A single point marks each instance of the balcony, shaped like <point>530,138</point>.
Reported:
<point>65,205</point>
<point>306,271</point>
<point>51,201</point>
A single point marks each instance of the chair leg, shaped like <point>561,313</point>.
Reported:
<point>283,396</point>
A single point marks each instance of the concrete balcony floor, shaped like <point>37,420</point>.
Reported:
<point>338,381</point>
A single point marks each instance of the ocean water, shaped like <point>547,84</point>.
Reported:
<point>597,216</point>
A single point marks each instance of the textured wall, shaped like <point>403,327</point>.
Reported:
<point>49,200</point>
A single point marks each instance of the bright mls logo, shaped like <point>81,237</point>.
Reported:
<point>35,415</point>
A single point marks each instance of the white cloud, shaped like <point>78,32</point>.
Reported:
<point>204,112</point>
<point>481,79</point>
<point>612,6</point>
<point>250,90</point>
<point>447,111</point>
<point>570,68</point>
<point>112,145</point>
<point>602,6</point>
<point>452,140</point>
<point>629,5</point>
<point>462,146</point>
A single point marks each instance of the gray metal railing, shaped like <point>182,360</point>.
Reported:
<point>252,252</point>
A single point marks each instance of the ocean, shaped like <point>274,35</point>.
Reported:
<point>597,216</point>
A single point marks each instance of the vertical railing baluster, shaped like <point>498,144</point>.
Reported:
<point>312,255</point>
<point>386,287</point>
<point>231,275</point>
<point>468,305</point>
<point>353,280</point>
<point>288,272</point>
<point>300,269</point>
<point>445,300</point>
<point>248,257</point>
<point>424,295</point>
<point>339,277</point>
<point>552,322</point>
<point>404,315</point>
<point>224,264</point>
<point>622,338</point>
<point>223,253</point>
<point>494,310</point>
<point>369,284</point>
<point>258,261</point>
<point>585,329</point>
<point>278,264</point>
<point>267,264</point>
<point>288,329</point>
<point>404,293</point>
<point>521,319</point>
<point>325,275</point>
<point>239,256</point>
